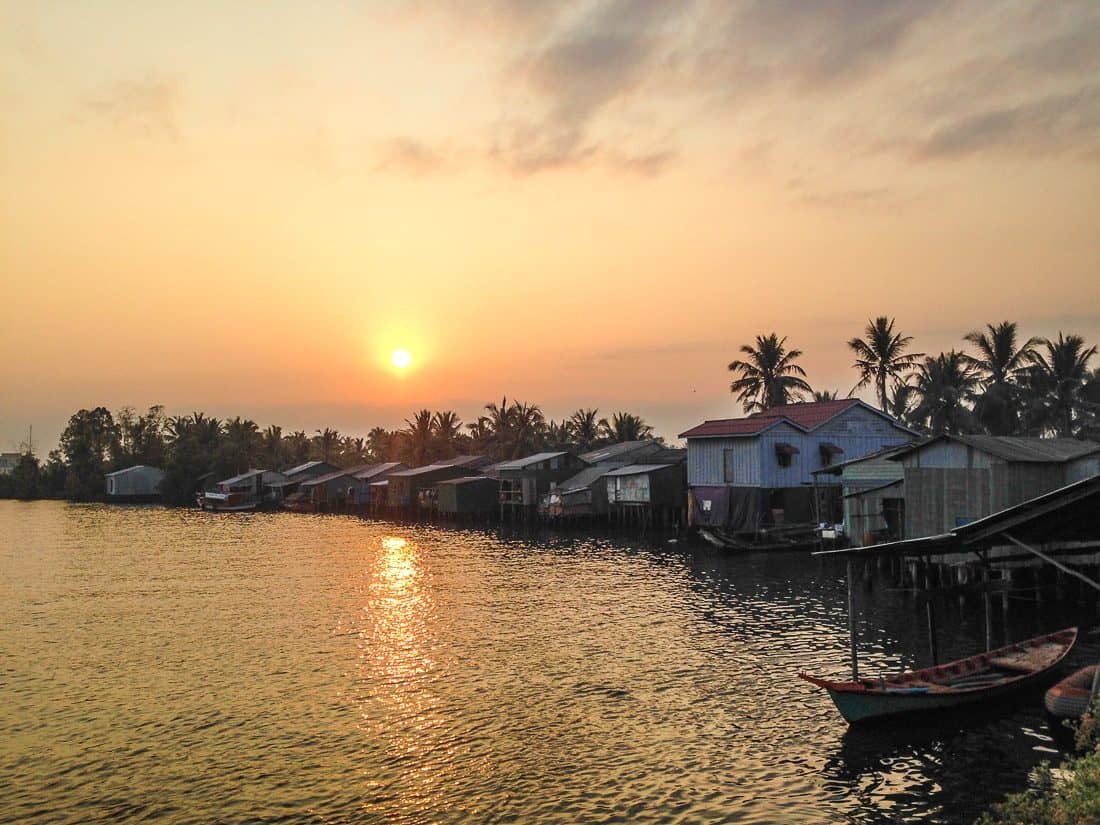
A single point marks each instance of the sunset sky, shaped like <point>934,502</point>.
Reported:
<point>245,207</point>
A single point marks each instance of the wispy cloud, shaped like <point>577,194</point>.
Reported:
<point>411,156</point>
<point>149,106</point>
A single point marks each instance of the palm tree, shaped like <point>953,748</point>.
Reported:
<point>944,385</point>
<point>585,425</point>
<point>528,428</point>
<point>353,451</point>
<point>418,433</point>
<point>903,396</point>
<point>1060,375</point>
<point>326,444</point>
<point>881,356</point>
<point>625,426</point>
<point>298,447</point>
<point>559,435</point>
<point>768,377</point>
<point>272,441</point>
<point>1002,365</point>
<point>447,426</point>
<point>380,444</point>
<point>825,395</point>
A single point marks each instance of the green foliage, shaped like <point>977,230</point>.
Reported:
<point>1070,797</point>
<point>86,444</point>
<point>24,478</point>
<point>768,377</point>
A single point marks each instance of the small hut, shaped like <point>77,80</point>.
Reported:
<point>524,481</point>
<point>134,484</point>
<point>467,497</point>
<point>331,492</point>
<point>648,493</point>
<point>414,490</point>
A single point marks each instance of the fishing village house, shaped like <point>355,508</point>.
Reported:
<point>750,472</point>
<point>584,494</point>
<point>654,492</point>
<point>467,497</point>
<point>372,481</point>
<point>951,480</point>
<point>524,480</point>
<point>8,463</point>
<point>134,484</point>
<point>414,490</point>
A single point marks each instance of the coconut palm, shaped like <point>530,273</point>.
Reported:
<point>903,397</point>
<point>585,424</point>
<point>380,444</point>
<point>419,436</point>
<point>944,384</point>
<point>1002,364</point>
<point>527,428</point>
<point>326,444</point>
<point>769,377</point>
<point>825,395</point>
<point>446,426</point>
<point>298,447</point>
<point>625,426</point>
<point>559,435</point>
<point>881,357</point>
<point>272,447</point>
<point>1060,375</point>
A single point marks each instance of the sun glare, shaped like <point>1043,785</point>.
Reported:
<point>401,358</point>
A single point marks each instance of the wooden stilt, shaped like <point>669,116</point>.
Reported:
<point>852,623</point>
<point>930,613</point>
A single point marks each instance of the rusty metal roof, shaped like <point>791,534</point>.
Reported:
<point>806,416</point>
<point>521,463</point>
<point>1017,449</point>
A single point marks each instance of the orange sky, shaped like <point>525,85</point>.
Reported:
<point>213,206</point>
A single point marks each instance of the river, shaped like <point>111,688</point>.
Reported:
<point>162,665</point>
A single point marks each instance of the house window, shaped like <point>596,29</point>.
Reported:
<point>784,452</point>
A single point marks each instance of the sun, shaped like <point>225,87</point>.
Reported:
<point>400,358</point>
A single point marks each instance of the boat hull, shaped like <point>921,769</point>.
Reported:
<point>1070,698</point>
<point>979,679</point>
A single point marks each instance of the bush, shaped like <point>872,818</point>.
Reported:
<point>1070,798</point>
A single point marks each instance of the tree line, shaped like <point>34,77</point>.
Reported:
<point>1004,386</point>
<point>194,448</point>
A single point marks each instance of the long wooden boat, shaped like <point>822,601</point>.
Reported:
<point>1071,697</point>
<point>227,502</point>
<point>981,678</point>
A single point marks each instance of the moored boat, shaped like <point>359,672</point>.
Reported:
<point>984,677</point>
<point>1070,698</point>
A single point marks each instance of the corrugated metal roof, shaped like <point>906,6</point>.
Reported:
<point>613,451</point>
<point>301,468</point>
<point>807,416</point>
<point>125,470</point>
<point>637,469</point>
<point>243,476</point>
<point>468,480</point>
<point>520,463</point>
<point>327,477</point>
<point>427,468</point>
<point>469,461</point>
<point>582,480</point>
<point>1018,449</point>
<point>373,470</point>
<point>885,452</point>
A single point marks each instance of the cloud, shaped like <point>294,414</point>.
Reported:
<point>410,156</point>
<point>1053,123</point>
<point>150,106</point>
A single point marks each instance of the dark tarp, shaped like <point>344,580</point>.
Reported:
<point>748,509</point>
<point>710,506</point>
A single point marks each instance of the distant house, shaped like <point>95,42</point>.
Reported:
<point>467,496</point>
<point>331,492</point>
<point>371,477</point>
<point>8,463</point>
<point>951,480</point>
<point>580,496</point>
<point>744,473</point>
<point>250,490</point>
<point>414,490</point>
<point>871,494</point>
<point>309,469</point>
<point>648,493</point>
<point>524,480</point>
<point>137,483</point>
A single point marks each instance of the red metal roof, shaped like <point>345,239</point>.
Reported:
<point>807,415</point>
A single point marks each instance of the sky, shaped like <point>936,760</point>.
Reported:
<point>244,208</point>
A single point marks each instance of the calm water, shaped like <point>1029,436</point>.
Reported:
<point>174,666</point>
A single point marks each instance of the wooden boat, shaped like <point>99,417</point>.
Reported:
<point>227,502</point>
<point>981,678</point>
<point>1070,698</point>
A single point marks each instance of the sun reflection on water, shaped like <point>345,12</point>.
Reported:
<point>398,703</point>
